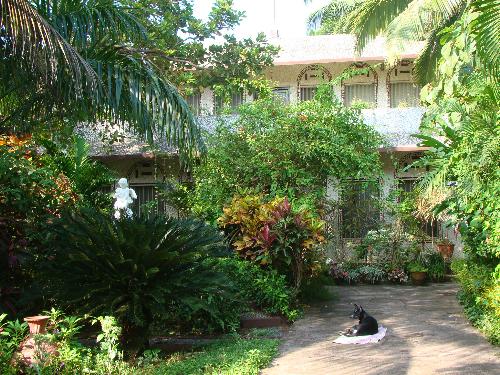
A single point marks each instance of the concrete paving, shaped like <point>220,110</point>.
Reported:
<point>427,334</point>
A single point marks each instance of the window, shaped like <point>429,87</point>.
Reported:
<point>307,93</point>
<point>148,194</point>
<point>359,92</point>
<point>235,100</point>
<point>194,102</point>
<point>429,227</point>
<point>359,210</point>
<point>404,94</point>
<point>282,94</point>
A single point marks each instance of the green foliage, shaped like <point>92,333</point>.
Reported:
<point>276,234</point>
<point>139,270</point>
<point>263,288</point>
<point>75,61</point>
<point>88,177</point>
<point>245,357</point>
<point>190,60</point>
<point>31,192</point>
<point>372,274</point>
<point>11,335</point>
<point>436,267</point>
<point>480,295</point>
<point>403,21</point>
<point>286,151</point>
<point>416,267</point>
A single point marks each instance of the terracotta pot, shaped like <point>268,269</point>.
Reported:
<point>446,250</point>
<point>418,278</point>
<point>37,323</point>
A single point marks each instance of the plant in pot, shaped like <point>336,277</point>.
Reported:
<point>445,248</point>
<point>418,272</point>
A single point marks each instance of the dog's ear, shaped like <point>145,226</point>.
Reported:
<point>361,308</point>
<point>356,306</point>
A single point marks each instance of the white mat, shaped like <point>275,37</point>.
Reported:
<point>362,339</point>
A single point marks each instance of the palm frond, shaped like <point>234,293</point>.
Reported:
<point>422,20</point>
<point>487,30</point>
<point>32,44</point>
<point>372,19</point>
<point>329,18</point>
<point>427,61</point>
<point>83,21</point>
<point>138,96</point>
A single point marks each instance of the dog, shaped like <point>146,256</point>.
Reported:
<point>367,324</point>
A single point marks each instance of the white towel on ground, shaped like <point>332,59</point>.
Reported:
<point>362,339</point>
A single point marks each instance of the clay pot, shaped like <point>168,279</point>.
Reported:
<point>418,278</point>
<point>446,250</point>
<point>37,323</point>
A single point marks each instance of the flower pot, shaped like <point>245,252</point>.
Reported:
<point>446,250</point>
<point>418,278</point>
<point>37,323</point>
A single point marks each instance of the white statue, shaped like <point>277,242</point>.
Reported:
<point>124,197</point>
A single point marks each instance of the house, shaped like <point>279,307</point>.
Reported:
<point>388,95</point>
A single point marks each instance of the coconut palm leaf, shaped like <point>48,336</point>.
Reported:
<point>140,98</point>
<point>487,31</point>
<point>35,46</point>
<point>85,21</point>
<point>331,16</point>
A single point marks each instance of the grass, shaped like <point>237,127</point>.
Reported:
<point>227,357</point>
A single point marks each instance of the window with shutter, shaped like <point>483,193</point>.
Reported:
<point>404,94</point>
<point>307,93</point>
<point>359,211</point>
<point>236,100</point>
<point>359,92</point>
<point>282,94</point>
<point>194,102</point>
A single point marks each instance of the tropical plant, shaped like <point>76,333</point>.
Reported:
<point>275,234</point>
<point>397,275</point>
<point>83,61</point>
<point>88,178</point>
<point>286,151</point>
<point>139,270</point>
<point>436,267</point>
<point>262,288</point>
<point>403,21</point>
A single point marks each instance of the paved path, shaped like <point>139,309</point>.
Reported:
<point>427,334</point>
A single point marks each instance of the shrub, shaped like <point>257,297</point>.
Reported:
<point>263,288</point>
<point>138,269</point>
<point>275,233</point>
<point>480,295</point>
<point>371,274</point>
<point>436,266</point>
<point>285,150</point>
<point>397,275</point>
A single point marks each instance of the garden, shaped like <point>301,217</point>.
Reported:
<point>103,293</point>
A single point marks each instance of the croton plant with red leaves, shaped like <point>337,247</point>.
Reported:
<point>274,233</point>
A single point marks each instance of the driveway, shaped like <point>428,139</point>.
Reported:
<point>427,334</point>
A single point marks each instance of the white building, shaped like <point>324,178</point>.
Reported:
<point>390,97</point>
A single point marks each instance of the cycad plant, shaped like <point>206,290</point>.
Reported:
<point>69,61</point>
<point>140,270</point>
<point>401,21</point>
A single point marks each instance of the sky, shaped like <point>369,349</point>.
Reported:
<point>289,18</point>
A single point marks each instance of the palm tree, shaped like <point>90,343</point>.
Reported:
<point>403,20</point>
<point>83,61</point>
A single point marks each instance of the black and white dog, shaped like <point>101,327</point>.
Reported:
<point>367,324</point>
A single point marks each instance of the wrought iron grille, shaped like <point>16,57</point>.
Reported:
<point>432,228</point>
<point>359,211</point>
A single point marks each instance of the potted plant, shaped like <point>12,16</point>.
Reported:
<point>445,248</point>
<point>418,273</point>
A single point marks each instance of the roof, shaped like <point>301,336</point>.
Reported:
<point>316,49</point>
<point>112,140</point>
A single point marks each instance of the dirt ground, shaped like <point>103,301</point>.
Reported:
<point>427,334</point>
